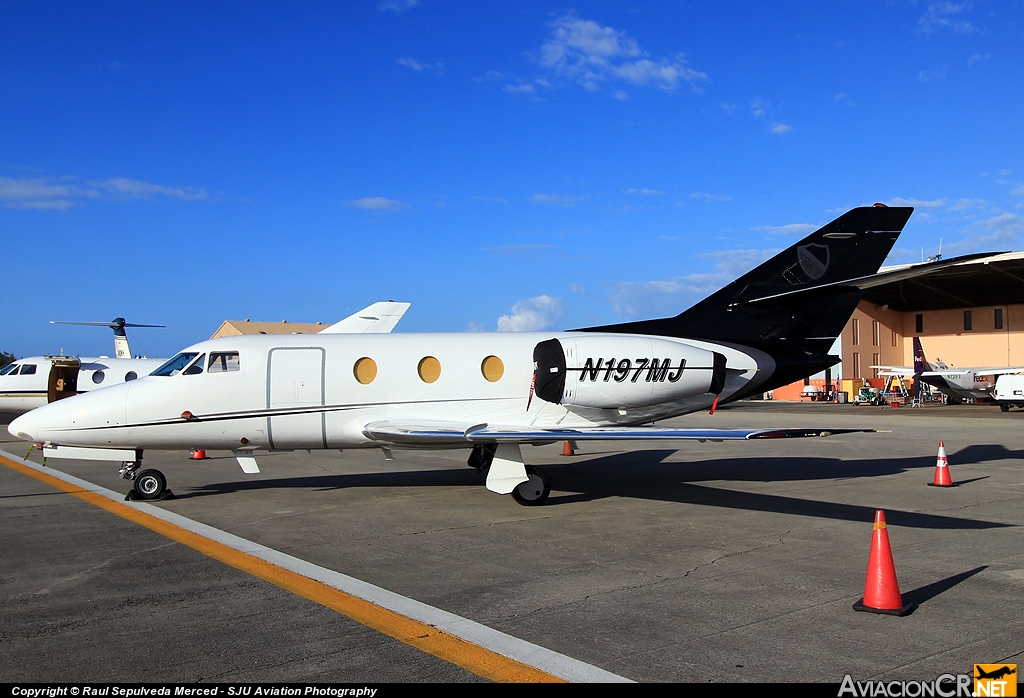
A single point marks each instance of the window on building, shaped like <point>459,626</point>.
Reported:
<point>856,331</point>
<point>919,323</point>
<point>895,339</point>
<point>856,365</point>
<point>968,322</point>
<point>875,333</point>
<point>875,360</point>
<point>999,318</point>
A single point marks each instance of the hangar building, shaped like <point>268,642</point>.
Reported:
<point>968,315</point>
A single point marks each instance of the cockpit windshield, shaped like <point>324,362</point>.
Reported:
<point>174,365</point>
<point>9,368</point>
<point>196,367</point>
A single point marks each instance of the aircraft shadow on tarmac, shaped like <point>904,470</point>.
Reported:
<point>647,475</point>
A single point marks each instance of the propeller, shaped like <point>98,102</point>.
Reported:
<point>117,323</point>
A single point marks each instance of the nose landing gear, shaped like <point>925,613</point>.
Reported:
<point>147,485</point>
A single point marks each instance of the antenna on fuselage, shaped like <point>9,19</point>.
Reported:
<point>121,348</point>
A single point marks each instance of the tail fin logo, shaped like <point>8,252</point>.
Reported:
<point>814,260</point>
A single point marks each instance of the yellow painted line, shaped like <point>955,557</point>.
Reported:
<point>478,660</point>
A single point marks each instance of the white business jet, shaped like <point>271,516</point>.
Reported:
<point>37,380</point>
<point>491,392</point>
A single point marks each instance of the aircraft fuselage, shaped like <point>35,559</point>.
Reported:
<point>320,391</point>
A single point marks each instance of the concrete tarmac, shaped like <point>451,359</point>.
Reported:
<point>659,562</point>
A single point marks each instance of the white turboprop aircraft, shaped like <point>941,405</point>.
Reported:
<point>37,380</point>
<point>956,383</point>
<point>491,392</point>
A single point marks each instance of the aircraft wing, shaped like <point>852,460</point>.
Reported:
<point>377,318</point>
<point>454,434</point>
<point>894,370</point>
<point>976,371</point>
<point>997,371</point>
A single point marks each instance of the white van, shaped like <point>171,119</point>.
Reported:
<point>1009,391</point>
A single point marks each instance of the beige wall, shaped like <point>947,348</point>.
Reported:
<point>943,337</point>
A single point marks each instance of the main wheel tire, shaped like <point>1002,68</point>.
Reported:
<point>534,491</point>
<point>149,484</point>
<point>1004,408</point>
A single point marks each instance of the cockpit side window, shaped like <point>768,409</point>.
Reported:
<point>196,367</point>
<point>221,361</point>
<point>28,369</point>
<point>9,368</point>
<point>175,364</point>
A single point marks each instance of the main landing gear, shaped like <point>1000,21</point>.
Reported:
<point>147,485</point>
<point>533,491</point>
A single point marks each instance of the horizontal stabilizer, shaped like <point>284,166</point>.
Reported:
<point>873,280</point>
<point>453,434</point>
<point>378,318</point>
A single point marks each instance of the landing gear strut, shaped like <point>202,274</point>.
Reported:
<point>147,484</point>
<point>482,456</point>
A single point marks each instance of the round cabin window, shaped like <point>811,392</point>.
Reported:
<point>492,368</point>
<point>98,377</point>
<point>429,369</point>
<point>365,370</point>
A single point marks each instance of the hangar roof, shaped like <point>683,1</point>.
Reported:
<point>994,280</point>
<point>233,328</point>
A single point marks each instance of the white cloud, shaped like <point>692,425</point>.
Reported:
<point>397,6</point>
<point>1019,191</point>
<point>801,229</point>
<point>978,57</point>
<point>378,203</point>
<point>780,129</point>
<point>589,54</point>
<point>517,249</point>
<point>945,15</point>
<point>916,203</point>
<point>533,315</point>
<point>49,193</point>
<point>420,66</point>
<point>709,198</point>
<point>644,192</point>
<point>634,299</point>
<point>522,88</point>
<point>124,188</point>
<point>931,75</point>
<point>558,199</point>
<point>1002,232</point>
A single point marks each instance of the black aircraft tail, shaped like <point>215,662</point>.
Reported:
<point>773,306</point>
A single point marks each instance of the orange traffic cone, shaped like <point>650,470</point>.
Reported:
<point>882,590</point>
<point>942,478</point>
<point>198,454</point>
<point>569,448</point>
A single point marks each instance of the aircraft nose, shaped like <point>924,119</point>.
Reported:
<point>24,427</point>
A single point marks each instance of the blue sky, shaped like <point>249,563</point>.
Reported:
<point>499,165</point>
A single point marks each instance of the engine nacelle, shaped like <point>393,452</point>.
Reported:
<point>612,371</point>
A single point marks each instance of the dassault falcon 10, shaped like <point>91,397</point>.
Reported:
<point>491,392</point>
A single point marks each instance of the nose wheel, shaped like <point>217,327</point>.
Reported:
<point>150,484</point>
<point>147,485</point>
<point>534,491</point>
